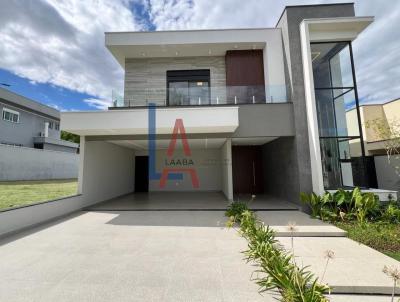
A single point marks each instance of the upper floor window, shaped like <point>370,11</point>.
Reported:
<point>57,127</point>
<point>10,115</point>
<point>51,125</point>
<point>188,87</point>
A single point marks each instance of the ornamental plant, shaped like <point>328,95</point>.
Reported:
<point>277,269</point>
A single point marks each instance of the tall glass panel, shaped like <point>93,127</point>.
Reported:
<point>337,112</point>
<point>199,93</point>
<point>178,93</point>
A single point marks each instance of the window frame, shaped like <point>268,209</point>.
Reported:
<point>12,114</point>
<point>348,89</point>
<point>191,75</point>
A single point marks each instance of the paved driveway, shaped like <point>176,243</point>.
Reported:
<point>128,256</point>
<point>159,256</point>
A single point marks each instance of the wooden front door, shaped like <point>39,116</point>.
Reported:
<point>247,170</point>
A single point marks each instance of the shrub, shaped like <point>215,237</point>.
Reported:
<point>314,202</point>
<point>391,213</point>
<point>344,204</point>
<point>365,204</point>
<point>235,209</point>
<point>278,268</point>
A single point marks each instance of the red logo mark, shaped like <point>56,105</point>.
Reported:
<point>179,129</point>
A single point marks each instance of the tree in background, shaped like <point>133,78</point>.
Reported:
<point>388,132</point>
<point>70,137</point>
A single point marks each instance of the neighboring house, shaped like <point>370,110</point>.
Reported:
<point>386,115</point>
<point>263,110</point>
<point>30,144</point>
<point>26,123</point>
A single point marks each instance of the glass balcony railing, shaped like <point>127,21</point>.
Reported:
<point>201,95</point>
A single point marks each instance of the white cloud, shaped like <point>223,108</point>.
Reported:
<point>376,52</point>
<point>98,103</point>
<point>62,42</point>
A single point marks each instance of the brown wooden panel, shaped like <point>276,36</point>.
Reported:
<point>247,170</point>
<point>245,75</point>
<point>244,67</point>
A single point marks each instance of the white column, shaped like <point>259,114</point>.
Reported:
<point>81,164</point>
<point>227,179</point>
<point>46,129</point>
<point>312,121</point>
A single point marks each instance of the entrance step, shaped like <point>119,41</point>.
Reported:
<point>355,268</point>
<point>305,226</point>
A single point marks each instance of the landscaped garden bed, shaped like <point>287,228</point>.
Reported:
<point>362,215</point>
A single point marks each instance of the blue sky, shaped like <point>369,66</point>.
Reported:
<point>53,51</point>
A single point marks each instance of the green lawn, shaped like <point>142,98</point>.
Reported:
<point>384,237</point>
<point>20,193</point>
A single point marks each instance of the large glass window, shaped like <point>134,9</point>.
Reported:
<point>338,114</point>
<point>188,87</point>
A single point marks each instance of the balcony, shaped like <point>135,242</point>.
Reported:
<point>200,94</point>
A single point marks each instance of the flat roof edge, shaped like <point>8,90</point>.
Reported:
<point>310,5</point>
<point>189,30</point>
<point>23,102</point>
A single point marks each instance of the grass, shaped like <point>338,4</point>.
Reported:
<point>20,193</point>
<point>384,237</point>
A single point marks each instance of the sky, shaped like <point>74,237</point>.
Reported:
<point>53,51</point>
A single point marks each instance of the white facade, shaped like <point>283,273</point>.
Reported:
<point>115,137</point>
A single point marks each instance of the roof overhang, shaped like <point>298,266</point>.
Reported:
<point>187,43</point>
<point>136,121</point>
<point>336,29</point>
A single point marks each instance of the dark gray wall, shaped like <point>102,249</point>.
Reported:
<point>29,126</point>
<point>279,160</point>
<point>265,120</point>
<point>289,23</point>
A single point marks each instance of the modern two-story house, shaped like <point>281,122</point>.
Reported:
<point>239,111</point>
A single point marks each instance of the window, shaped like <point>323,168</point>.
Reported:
<point>188,87</point>
<point>341,142</point>
<point>57,127</point>
<point>10,115</point>
<point>51,125</point>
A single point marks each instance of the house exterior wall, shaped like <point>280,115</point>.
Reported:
<point>107,171</point>
<point>29,126</point>
<point>146,79</point>
<point>392,110</point>
<point>18,163</point>
<point>226,161</point>
<point>265,120</point>
<point>278,164</point>
<point>207,164</point>
<point>289,24</point>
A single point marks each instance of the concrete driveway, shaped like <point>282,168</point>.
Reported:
<point>137,256</point>
<point>127,256</point>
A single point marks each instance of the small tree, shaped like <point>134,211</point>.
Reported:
<point>388,132</point>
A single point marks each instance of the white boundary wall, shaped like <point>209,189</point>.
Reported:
<point>19,163</point>
<point>14,220</point>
